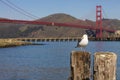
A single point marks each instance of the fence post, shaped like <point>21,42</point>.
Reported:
<point>105,66</point>
<point>80,65</point>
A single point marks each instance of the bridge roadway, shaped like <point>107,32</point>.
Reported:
<point>55,24</point>
<point>67,39</point>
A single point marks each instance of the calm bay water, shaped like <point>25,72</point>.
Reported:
<point>46,62</point>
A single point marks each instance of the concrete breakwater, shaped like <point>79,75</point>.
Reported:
<point>12,43</point>
<point>67,39</point>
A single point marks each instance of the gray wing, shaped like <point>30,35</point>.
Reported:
<point>78,43</point>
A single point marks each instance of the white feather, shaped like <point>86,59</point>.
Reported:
<point>84,42</point>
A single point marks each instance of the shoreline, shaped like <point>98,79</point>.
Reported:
<point>4,43</point>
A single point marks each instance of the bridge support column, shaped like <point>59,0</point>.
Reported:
<point>99,21</point>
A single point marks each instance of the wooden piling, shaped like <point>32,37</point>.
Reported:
<point>105,66</point>
<point>80,65</point>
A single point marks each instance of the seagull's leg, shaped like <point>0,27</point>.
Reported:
<point>81,48</point>
<point>84,49</point>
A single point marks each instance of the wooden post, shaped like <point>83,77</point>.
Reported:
<point>105,66</point>
<point>80,65</point>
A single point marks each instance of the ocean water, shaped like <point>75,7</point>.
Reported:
<point>50,61</point>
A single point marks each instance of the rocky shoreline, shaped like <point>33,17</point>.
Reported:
<point>4,43</point>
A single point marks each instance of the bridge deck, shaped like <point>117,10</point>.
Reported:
<point>55,24</point>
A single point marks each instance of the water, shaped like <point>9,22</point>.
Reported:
<point>46,62</point>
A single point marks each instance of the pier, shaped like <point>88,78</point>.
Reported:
<point>8,42</point>
<point>66,39</point>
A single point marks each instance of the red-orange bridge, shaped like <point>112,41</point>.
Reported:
<point>55,24</point>
<point>98,28</point>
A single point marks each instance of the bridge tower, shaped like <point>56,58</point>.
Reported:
<point>99,21</point>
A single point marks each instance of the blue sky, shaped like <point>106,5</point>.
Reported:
<point>81,9</point>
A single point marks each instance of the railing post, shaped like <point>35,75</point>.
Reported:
<point>105,66</point>
<point>80,65</point>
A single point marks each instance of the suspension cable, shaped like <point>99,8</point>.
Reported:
<point>18,9</point>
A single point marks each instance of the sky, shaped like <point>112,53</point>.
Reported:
<point>81,9</point>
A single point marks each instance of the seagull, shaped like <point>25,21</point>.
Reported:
<point>84,41</point>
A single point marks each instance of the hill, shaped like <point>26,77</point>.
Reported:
<point>9,30</point>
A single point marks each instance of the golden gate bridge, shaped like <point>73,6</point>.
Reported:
<point>98,28</point>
